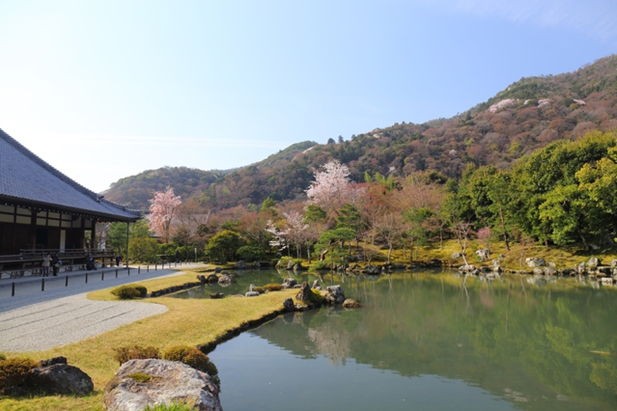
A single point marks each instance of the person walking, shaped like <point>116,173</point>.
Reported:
<point>46,263</point>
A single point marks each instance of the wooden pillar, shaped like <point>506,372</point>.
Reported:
<point>93,234</point>
<point>128,233</point>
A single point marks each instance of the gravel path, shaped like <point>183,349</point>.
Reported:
<point>44,320</point>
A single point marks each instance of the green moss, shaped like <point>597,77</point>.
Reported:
<point>174,406</point>
<point>140,377</point>
<point>273,287</point>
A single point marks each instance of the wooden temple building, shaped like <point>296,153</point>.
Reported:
<point>44,211</point>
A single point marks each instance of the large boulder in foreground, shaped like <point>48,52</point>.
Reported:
<point>55,376</point>
<point>142,383</point>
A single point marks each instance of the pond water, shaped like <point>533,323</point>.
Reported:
<point>428,341</point>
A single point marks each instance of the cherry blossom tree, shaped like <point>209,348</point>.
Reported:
<point>163,207</point>
<point>332,188</point>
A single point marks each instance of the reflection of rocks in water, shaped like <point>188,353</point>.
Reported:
<point>332,342</point>
<point>514,395</point>
<point>537,280</point>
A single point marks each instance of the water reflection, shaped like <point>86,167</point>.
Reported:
<point>533,345</point>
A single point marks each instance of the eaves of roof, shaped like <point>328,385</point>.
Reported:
<point>26,178</point>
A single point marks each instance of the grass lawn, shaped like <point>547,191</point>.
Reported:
<point>187,322</point>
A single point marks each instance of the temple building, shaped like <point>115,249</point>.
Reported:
<point>42,210</point>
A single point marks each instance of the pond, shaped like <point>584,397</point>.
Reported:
<point>429,341</point>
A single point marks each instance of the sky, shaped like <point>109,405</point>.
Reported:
<point>103,90</point>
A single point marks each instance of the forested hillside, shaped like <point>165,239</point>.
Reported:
<point>528,115</point>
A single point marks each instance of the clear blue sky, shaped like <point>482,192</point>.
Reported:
<point>107,89</point>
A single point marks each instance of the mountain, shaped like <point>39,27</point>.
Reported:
<point>526,116</point>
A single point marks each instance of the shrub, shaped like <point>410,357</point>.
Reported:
<point>283,262</point>
<point>320,265</point>
<point>128,292</point>
<point>135,352</point>
<point>14,371</point>
<point>2,357</point>
<point>273,287</point>
<point>143,291</point>
<point>192,357</point>
<point>144,250</point>
<point>249,253</point>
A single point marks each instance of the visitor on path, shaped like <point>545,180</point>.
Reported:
<point>46,264</point>
<point>55,264</point>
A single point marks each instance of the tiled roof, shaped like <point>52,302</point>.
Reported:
<point>24,177</point>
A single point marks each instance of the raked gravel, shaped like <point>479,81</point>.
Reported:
<point>44,320</point>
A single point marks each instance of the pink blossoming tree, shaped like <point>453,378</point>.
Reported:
<point>163,206</point>
<point>332,188</point>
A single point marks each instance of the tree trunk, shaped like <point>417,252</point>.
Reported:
<point>503,226</point>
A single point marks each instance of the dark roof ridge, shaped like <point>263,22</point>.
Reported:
<point>105,206</point>
<point>47,166</point>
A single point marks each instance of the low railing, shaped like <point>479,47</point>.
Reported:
<point>26,286</point>
<point>28,261</point>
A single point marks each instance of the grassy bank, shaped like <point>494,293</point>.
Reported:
<point>187,322</point>
<point>513,259</point>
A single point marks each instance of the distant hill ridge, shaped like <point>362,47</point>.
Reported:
<point>526,116</point>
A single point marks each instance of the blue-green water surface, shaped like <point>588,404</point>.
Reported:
<point>428,341</point>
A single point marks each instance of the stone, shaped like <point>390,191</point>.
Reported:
<point>202,279</point>
<point>496,266</point>
<point>580,269</point>
<point>170,381</point>
<point>241,265</point>
<point>218,270</point>
<point>251,294</point>
<point>468,269</point>
<point>335,294</point>
<point>290,265</point>
<point>217,296</point>
<point>213,278</point>
<point>568,273</point>
<point>535,262</point>
<point>371,270</point>
<point>289,283</point>
<point>613,264</point>
<point>456,255</point>
<point>350,303</point>
<point>593,263</point>
<point>483,255</point>
<point>288,304</point>
<point>549,271</point>
<point>224,279</point>
<point>538,271</point>
<point>315,284</point>
<point>305,292</point>
<point>60,378</point>
<point>52,361</point>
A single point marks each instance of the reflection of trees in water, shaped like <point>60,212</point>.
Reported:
<point>332,343</point>
<point>551,340</point>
